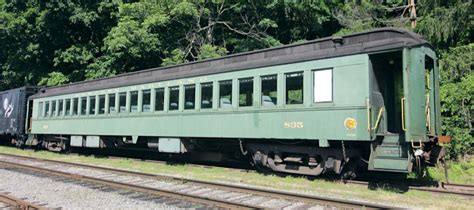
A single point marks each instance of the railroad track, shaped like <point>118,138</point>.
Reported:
<point>442,188</point>
<point>8,201</point>
<point>208,193</point>
<point>232,167</point>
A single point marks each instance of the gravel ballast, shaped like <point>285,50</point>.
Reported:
<point>69,194</point>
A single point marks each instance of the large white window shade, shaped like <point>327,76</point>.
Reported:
<point>322,86</point>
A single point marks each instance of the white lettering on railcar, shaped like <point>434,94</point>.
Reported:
<point>293,124</point>
<point>7,107</point>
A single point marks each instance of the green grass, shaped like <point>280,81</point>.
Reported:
<point>321,187</point>
<point>461,172</point>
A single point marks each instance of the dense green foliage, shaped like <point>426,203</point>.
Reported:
<point>457,91</point>
<point>61,41</point>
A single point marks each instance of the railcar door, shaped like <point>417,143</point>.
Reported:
<point>386,90</point>
<point>413,102</point>
<point>432,96</point>
<point>30,115</point>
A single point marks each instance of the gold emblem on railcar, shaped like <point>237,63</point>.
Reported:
<point>350,123</point>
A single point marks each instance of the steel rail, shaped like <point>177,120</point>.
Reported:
<point>17,203</point>
<point>318,200</point>
<point>464,187</point>
<point>444,188</point>
<point>148,190</point>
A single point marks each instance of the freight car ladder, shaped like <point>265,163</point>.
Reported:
<point>390,155</point>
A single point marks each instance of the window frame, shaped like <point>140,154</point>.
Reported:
<point>54,108</point>
<point>91,110</point>
<point>83,104</point>
<point>143,93</point>
<point>163,98</point>
<point>47,107</point>
<point>252,104</point>
<point>67,108</point>
<point>40,110</point>
<point>115,96</point>
<point>261,91</point>
<point>285,101</point>
<point>313,80</point>
<point>60,104</point>
<point>98,101</point>
<point>75,107</point>
<point>185,87</point>
<point>211,99</point>
<point>136,100</point>
<point>119,110</point>
<point>173,88</point>
<point>225,82</point>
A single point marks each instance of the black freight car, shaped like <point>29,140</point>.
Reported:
<point>13,114</point>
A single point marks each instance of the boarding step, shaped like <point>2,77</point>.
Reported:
<point>390,151</point>
<point>391,164</point>
<point>390,155</point>
<point>391,138</point>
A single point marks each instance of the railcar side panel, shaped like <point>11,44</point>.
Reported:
<point>315,124</point>
<point>310,120</point>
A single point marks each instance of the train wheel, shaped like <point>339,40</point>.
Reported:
<point>259,162</point>
<point>350,169</point>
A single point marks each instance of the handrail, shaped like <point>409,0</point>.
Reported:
<point>368,115</point>
<point>428,113</point>
<point>382,109</point>
<point>403,113</point>
<point>428,85</point>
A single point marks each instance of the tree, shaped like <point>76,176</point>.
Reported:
<point>446,23</point>
<point>134,43</point>
<point>59,36</point>
<point>457,104</point>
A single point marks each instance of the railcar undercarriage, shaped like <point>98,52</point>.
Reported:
<point>304,159</point>
<point>295,157</point>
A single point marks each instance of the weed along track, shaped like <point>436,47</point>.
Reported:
<point>207,193</point>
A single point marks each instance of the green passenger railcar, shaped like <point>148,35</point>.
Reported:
<point>367,100</point>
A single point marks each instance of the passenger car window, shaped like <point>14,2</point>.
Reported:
<point>245,92</point>
<point>68,107</point>
<point>269,90</point>
<point>134,101</point>
<point>159,99</point>
<point>40,110</point>
<point>294,88</point>
<point>112,103</point>
<point>322,86</point>
<point>83,105</point>
<point>225,94</point>
<point>53,108</point>
<point>91,105</point>
<point>174,98</point>
<point>46,109</point>
<point>101,104</point>
<point>122,102</point>
<point>146,100</point>
<point>189,96</point>
<point>75,106</point>
<point>206,95</point>
<point>60,107</point>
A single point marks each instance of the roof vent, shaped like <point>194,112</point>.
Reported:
<point>338,41</point>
